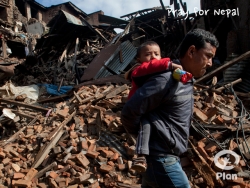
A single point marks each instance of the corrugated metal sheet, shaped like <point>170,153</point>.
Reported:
<point>72,19</point>
<point>114,63</point>
<point>109,140</point>
<point>99,60</point>
<point>239,70</point>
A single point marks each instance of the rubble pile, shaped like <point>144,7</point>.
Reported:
<point>60,123</point>
<point>62,60</point>
<point>67,144</point>
<point>220,144</point>
<point>63,70</point>
<point>81,142</point>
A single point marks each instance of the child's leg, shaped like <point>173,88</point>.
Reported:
<point>142,149</point>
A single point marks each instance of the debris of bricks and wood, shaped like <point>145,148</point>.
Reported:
<point>60,122</point>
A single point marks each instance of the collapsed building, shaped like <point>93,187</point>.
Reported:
<point>65,90</point>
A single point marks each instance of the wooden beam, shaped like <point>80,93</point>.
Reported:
<point>15,136</point>
<point>4,48</point>
<point>19,113</point>
<point>227,85</point>
<point>54,99</point>
<point>224,66</point>
<point>218,90</point>
<point>204,169</point>
<point>116,91</point>
<point>24,105</point>
<point>54,139</point>
<point>44,170</point>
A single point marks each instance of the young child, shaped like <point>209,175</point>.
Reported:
<point>149,63</point>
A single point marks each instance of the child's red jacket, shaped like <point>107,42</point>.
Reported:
<point>142,72</point>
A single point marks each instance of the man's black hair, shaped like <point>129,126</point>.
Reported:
<point>198,38</point>
<point>150,43</point>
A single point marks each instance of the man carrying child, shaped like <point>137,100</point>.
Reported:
<point>161,108</point>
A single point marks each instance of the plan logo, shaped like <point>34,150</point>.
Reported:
<point>226,164</point>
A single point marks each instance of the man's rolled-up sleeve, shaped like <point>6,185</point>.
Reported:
<point>147,98</point>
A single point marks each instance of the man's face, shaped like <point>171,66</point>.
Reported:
<point>200,60</point>
<point>148,53</point>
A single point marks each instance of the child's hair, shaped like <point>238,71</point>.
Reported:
<point>150,43</point>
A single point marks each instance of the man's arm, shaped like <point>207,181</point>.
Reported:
<point>146,98</point>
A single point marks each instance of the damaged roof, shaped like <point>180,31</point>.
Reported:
<point>69,3</point>
<point>72,19</point>
<point>37,4</point>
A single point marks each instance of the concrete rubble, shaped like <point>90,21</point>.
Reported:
<point>63,89</point>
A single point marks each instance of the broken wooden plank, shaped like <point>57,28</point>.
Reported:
<point>44,170</point>
<point>39,108</point>
<point>54,99</point>
<point>101,35</point>
<point>116,91</point>
<point>19,113</point>
<point>218,90</point>
<point>14,137</point>
<point>22,114</point>
<point>227,85</point>
<point>4,48</point>
<point>78,98</point>
<point>63,55</point>
<point>44,151</point>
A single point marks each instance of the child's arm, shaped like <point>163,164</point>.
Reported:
<point>142,72</point>
<point>153,66</point>
<point>148,69</point>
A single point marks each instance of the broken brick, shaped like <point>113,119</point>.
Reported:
<point>84,145</point>
<point>31,174</point>
<point>92,154</point>
<point>73,134</point>
<point>106,168</point>
<point>18,175</point>
<point>211,112</point>
<point>82,159</point>
<point>2,154</point>
<point>218,120</point>
<point>42,185</point>
<point>15,167</point>
<point>53,174</point>
<point>94,185</point>
<point>114,157</point>
<point>107,153</point>
<point>211,147</point>
<point>122,167</point>
<point>199,114</point>
<point>22,183</point>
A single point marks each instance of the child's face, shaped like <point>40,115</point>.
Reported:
<point>148,53</point>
